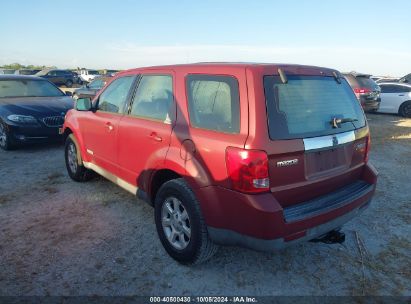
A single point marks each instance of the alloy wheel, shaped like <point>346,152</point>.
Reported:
<point>72,157</point>
<point>407,110</point>
<point>176,223</point>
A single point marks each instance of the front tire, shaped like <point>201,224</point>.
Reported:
<point>75,170</point>
<point>405,109</point>
<point>6,142</point>
<point>180,224</point>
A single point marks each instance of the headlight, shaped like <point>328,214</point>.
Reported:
<point>23,119</point>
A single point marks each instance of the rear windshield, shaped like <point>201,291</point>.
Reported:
<point>28,88</point>
<point>366,82</point>
<point>306,105</point>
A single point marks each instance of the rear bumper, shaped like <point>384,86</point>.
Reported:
<point>229,237</point>
<point>370,105</point>
<point>259,222</point>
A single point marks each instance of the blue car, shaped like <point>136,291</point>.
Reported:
<point>32,109</point>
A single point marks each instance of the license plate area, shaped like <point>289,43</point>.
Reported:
<point>324,161</point>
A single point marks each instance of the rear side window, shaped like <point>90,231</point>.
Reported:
<point>115,95</point>
<point>154,97</point>
<point>305,106</point>
<point>213,103</point>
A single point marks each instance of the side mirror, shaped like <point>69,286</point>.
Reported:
<point>83,104</point>
<point>68,93</point>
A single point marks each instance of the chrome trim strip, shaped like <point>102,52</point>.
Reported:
<point>111,177</point>
<point>321,142</point>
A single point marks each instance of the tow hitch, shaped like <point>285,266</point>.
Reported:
<point>332,237</point>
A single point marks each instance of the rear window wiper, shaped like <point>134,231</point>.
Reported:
<point>335,122</point>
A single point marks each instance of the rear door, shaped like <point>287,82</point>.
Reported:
<point>389,98</point>
<point>144,133</point>
<point>316,145</point>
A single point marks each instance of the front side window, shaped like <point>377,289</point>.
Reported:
<point>115,95</point>
<point>387,88</point>
<point>28,88</point>
<point>213,103</point>
<point>306,106</point>
<point>154,97</point>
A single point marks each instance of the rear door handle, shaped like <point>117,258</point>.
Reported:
<point>401,95</point>
<point>154,136</point>
<point>109,126</point>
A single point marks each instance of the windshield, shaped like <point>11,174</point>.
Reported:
<point>28,88</point>
<point>307,105</point>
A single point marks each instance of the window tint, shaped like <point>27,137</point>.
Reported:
<point>306,105</point>
<point>403,89</point>
<point>115,95</point>
<point>154,97</point>
<point>213,103</point>
<point>387,88</point>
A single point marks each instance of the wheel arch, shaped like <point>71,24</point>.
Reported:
<point>158,178</point>
<point>70,130</point>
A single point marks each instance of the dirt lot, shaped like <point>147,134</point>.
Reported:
<point>58,237</point>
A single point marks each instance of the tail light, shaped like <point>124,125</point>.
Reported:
<point>247,170</point>
<point>367,148</point>
<point>359,91</point>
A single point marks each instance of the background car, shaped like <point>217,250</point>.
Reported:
<point>26,72</point>
<point>59,77</point>
<point>405,79</point>
<point>387,79</point>
<point>7,71</point>
<point>31,109</point>
<point>396,98</point>
<point>366,90</point>
<point>90,90</point>
<point>88,75</point>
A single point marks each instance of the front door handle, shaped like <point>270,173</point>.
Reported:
<point>109,126</point>
<point>154,136</point>
<point>401,95</point>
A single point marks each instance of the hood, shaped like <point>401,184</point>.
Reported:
<point>36,106</point>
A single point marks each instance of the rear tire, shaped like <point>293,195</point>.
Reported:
<point>6,142</point>
<point>76,171</point>
<point>178,217</point>
<point>405,109</point>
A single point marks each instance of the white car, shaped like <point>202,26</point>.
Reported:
<point>88,75</point>
<point>395,98</point>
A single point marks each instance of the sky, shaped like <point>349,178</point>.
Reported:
<point>365,36</point>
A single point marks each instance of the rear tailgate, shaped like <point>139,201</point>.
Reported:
<point>318,137</point>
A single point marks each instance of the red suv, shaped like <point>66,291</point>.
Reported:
<point>256,155</point>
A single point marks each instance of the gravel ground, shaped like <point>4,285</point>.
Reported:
<point>58,237</point>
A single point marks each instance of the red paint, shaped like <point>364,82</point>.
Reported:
<point>135,148</point>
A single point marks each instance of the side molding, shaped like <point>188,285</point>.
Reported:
<point>111,177</point>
